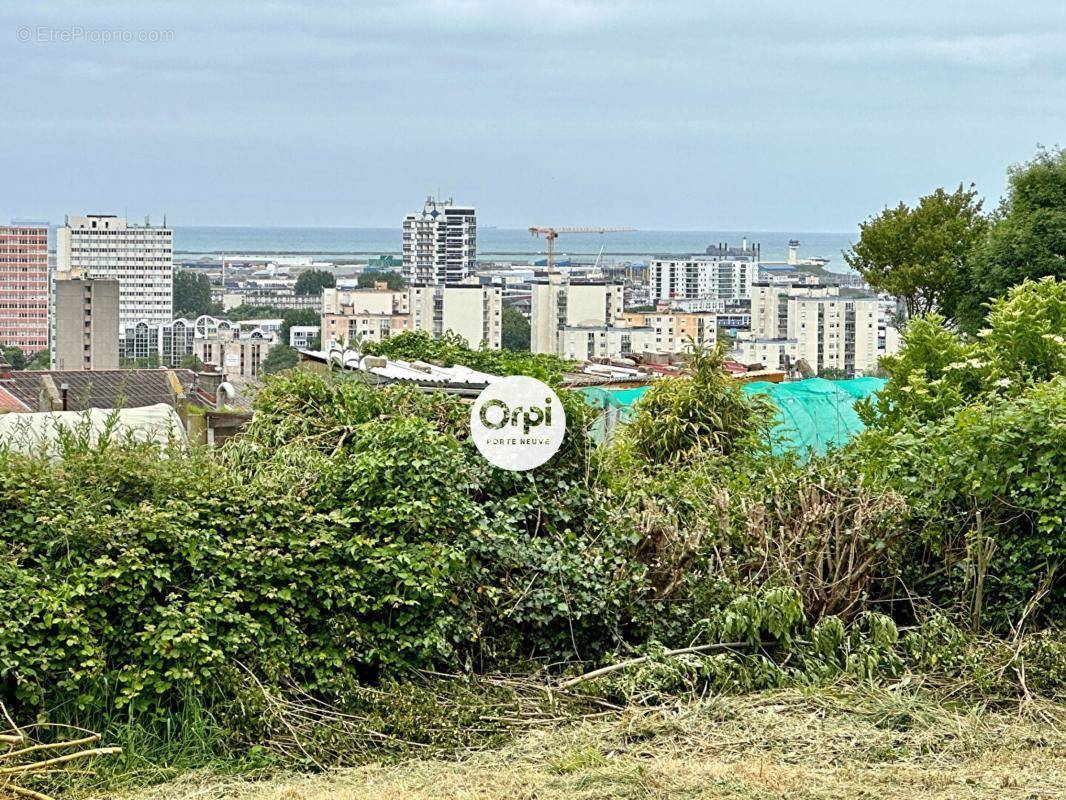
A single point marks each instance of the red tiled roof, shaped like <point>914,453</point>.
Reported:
<point>8,402</point>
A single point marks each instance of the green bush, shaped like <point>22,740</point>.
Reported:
<point>986,488</point>
<point>350,532</point>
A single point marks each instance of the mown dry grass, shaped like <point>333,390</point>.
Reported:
<point>841,744</point>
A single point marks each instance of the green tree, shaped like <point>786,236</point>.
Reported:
<point>280,357</point>
<point>15,357</point>
<point>369,277</point>
<point>313,281</point>
<point>924,254</point>
<point>42,360</point>
<point>701,414</point>
<point>1028,235</point>
<point>243,311</point>
<point>192,294</point>
<point>515,330</point>
<point>193,362</point>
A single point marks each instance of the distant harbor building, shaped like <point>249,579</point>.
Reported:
<point>723,273</point>
<point>439,243</point>
<point>139,257</point>
<point>24,286</point>
<point>86,315</point>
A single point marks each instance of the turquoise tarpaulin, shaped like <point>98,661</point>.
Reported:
<point>812,415</point>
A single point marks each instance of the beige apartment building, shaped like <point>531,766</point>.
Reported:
<point>470,310</point>
<point>369,315</point>
<point>814,323</point>
<point>584,319</point>
<point>676,331</point>
<point>86,319</point>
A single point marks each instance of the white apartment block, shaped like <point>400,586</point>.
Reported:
<point>585,319</point>
<point>472,311</point>
<point>557,303</point>
<point>439,243</point>
<point>139,257</point>
<point>726,277</point>
<point>836,332</point>
<point>585,343</point>
<point>815,323</point>
<point>303,336</point>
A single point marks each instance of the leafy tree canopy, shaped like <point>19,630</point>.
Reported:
<point>280,357</point>
<point>15,357</point>
<point>1028,237</point>
<point>296,316</point>
<point>392,278</point>
<point>514,330</point>
<point>192,294</point>
<point>922,254</point>
<point>314,281</point>
<point>938,370</point>
<point>243,311</point>
<point>451,349</point>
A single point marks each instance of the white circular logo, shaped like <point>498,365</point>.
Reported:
<point>517,423</point>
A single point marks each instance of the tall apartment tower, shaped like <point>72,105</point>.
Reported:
<point>24,286</point>
<point>86,312</point>
<point>439,243</point>
<point>139,257</point>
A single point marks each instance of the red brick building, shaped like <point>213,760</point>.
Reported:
<point>24,286</point>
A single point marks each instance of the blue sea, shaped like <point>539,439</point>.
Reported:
<point>356,244</point>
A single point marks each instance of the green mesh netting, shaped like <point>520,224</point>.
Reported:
<point>812,415</point>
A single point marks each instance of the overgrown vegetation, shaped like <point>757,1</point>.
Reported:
<point>451,349</point>
<point>293,598</point>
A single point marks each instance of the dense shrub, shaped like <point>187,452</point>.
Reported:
<point>351,531</point>
<point>702,414</point>
<point>939,370</point>
<point>986,488</point>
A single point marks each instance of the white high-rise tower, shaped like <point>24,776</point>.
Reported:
<point>139,257</point>
<point>439,243</point>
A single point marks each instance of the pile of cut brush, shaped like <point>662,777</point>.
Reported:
<point>51,747</point>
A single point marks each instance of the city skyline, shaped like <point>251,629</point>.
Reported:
<point>669,116</point>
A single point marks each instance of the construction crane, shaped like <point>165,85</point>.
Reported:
<point>551,234</point>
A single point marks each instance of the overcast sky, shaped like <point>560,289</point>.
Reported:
<point>710,114</point>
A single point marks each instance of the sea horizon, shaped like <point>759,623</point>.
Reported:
<point>340,243</point>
